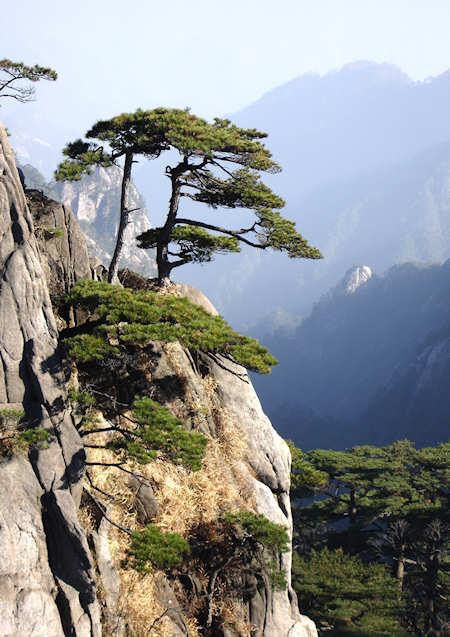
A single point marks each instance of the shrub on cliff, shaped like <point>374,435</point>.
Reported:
<point>238,546</point>
<point>123,317</point>
<point>152,547</point>
<point>158,432</point>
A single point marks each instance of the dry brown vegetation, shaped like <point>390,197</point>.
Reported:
<point>185,498</point>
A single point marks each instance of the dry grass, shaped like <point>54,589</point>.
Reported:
<point>234,615</point>
<point>209,385</point>
<point>186,499</point>
<point>189,498</point>
<point>139,604</point>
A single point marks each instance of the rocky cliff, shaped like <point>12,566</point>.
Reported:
<point>47,585</point>
<point>93,201</point>
<point>62,535</point>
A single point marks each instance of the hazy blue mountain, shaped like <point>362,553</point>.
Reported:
<point>349,122</point>
<point>366,171</point>
<point>370,364</point>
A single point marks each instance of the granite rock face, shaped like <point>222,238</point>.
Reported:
<point>94,201</point>
<point>275,613</point>
<point>47,585</point>
<point>62,244</point>
<point>266,468</point>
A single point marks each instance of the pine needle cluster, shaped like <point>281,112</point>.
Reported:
<point>159,433</point>
<point>124,317</point>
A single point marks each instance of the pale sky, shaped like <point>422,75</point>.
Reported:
<point>215,57</point>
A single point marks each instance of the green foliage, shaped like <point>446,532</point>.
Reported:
<point>204,148</point>
<point>7,414</point>
<point>237,545</point>
<point>261,529</point>
<point>278,233</point>
<point>160,433</point>
<point>428,581</point>
<point>382,482</point>
<point>243,190</point>
<point>154,548</point>
<point>54,233</point>
<point>304,476</point>
<point>388,504</point>
<point>34,437</point>
<point>83,399</point>
<point>127,133</point>
<point>82,159</point>
<point>277,576</point>
<point>137,318</point>
<point>152,132</point>
<point>90,347</point>
<point>194,244</point>
<point>84,402</point>
<point>15,79</point>
<point>346,595</point>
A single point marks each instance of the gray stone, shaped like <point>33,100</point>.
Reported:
<point>27,586</point>
<point>167,599</point>
<point>274,613</point>
<point>62,245</point>
<point>144,500</point>
<point>94,200</point>
<point>47,585</point>
<point>61,596</point>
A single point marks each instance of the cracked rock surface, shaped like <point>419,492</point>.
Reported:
<point>46,585</point>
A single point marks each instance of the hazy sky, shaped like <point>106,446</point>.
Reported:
<point>213,56</point>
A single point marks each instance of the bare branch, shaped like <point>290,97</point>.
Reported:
<point>94,486</point>
<point>217,361</point>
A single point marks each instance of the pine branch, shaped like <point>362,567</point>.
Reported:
<point>232,233</point>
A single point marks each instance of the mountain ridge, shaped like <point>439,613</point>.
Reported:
<point>367,367</point>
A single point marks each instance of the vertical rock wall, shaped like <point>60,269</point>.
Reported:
<point>269,463</point>
<point>46,583</point>
<point>265,466</point>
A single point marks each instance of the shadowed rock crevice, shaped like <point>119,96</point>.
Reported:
<point>66,554</point>
<point>16,228</point>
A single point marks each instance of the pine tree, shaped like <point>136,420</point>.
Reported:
<point>428,582</point>
<point>387,504</point>
<point>239,545</point>
<point>134,318</point>
<point>305,477</point>
<point>220,166</point>
<point>345,596</point>
<point>121,138</point>
<point>17,79</point>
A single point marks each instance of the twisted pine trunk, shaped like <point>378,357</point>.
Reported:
<point>162,248</point>
<point>123,222</point>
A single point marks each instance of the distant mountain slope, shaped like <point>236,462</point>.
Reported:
<point>417,396</point>
<point>368,365</point>
<point>94,201</point>
<point>349,122</point>
<point>366,174</point>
